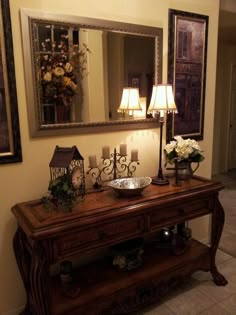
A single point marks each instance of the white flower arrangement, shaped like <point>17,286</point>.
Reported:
<point>183,150</point>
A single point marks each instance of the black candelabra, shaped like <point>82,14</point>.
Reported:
<point>113,165</point>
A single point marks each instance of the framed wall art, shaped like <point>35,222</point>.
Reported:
<point>134,80</point>
<point>187,53</point>
<point>10,143</point>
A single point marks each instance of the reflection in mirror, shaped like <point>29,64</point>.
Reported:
<point>59,65</point>
<point>62,52</point>
<point>134,67</point>
<point>78,71</point>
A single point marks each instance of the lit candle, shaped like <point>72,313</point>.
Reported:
<point>134,155</point>
<point>106,152</point>
<point>123,149</point>
<point>92,161</point>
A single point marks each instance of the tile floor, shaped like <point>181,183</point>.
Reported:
<point>200,295</point>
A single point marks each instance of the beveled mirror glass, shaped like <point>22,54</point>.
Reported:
<point>76,69</point>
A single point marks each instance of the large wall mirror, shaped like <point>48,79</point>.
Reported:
<point>76,69</point>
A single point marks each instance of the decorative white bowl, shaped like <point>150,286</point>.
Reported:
<point>131,186</point>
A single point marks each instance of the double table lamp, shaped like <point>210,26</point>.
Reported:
<point>162,101</point>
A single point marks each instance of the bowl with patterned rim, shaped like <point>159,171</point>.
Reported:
<point>130,186</point>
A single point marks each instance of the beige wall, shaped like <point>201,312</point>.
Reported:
<point>29,180</point>
<point>226,58</point>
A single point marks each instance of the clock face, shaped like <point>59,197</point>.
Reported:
<point>76,178</point>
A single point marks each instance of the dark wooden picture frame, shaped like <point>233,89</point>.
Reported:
<point>10,143</point>
<point>187,53</point>
<point>134,80</point>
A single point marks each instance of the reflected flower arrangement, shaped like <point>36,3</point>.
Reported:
<point>61,67</point>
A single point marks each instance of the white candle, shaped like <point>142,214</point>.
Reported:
<point>134,155</point>
<point>106,152</point>
<point>92,161</point>
<point>123,149</point>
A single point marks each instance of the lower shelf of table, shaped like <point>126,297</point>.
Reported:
<point>99,286</point>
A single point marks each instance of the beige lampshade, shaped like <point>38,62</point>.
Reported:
<point>162,99</point>
<point>130,100</point>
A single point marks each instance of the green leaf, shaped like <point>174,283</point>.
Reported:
<point>197,158</point>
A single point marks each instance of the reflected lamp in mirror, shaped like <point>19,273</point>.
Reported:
<point>141,113</point>
<point>162,101</point>
<point>130,102</point>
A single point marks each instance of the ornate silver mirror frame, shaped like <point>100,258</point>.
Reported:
<point>37,126</point>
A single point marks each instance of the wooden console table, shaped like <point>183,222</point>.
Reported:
<point>44,238</point>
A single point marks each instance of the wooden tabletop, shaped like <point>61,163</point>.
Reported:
<point>36,220</point>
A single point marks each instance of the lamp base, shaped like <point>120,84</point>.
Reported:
<point>160,181</point>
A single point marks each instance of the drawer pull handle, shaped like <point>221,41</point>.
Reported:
<point>181,211</point>
<point>102,235</point>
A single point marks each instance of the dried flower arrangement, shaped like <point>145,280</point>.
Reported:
<point>61,66</point>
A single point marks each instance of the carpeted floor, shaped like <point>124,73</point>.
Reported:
<point>228,200</point>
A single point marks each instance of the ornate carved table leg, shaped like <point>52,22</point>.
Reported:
<point>23,262</point>
<point>39,281</point>
<point>33,268</point>
<point>218,218</point>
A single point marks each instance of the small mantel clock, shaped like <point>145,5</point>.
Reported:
<point>69,161</point>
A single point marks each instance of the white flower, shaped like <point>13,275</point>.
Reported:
<point>47,77</point>
<point>59,71</point>
<point>183,149</point>
<point>71,84</point>
<point>170,146</point>
<point>179,139</point>
<point>68,67</point>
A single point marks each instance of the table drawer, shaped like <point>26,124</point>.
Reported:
<point>179,212</point>
<point>98,235</point>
